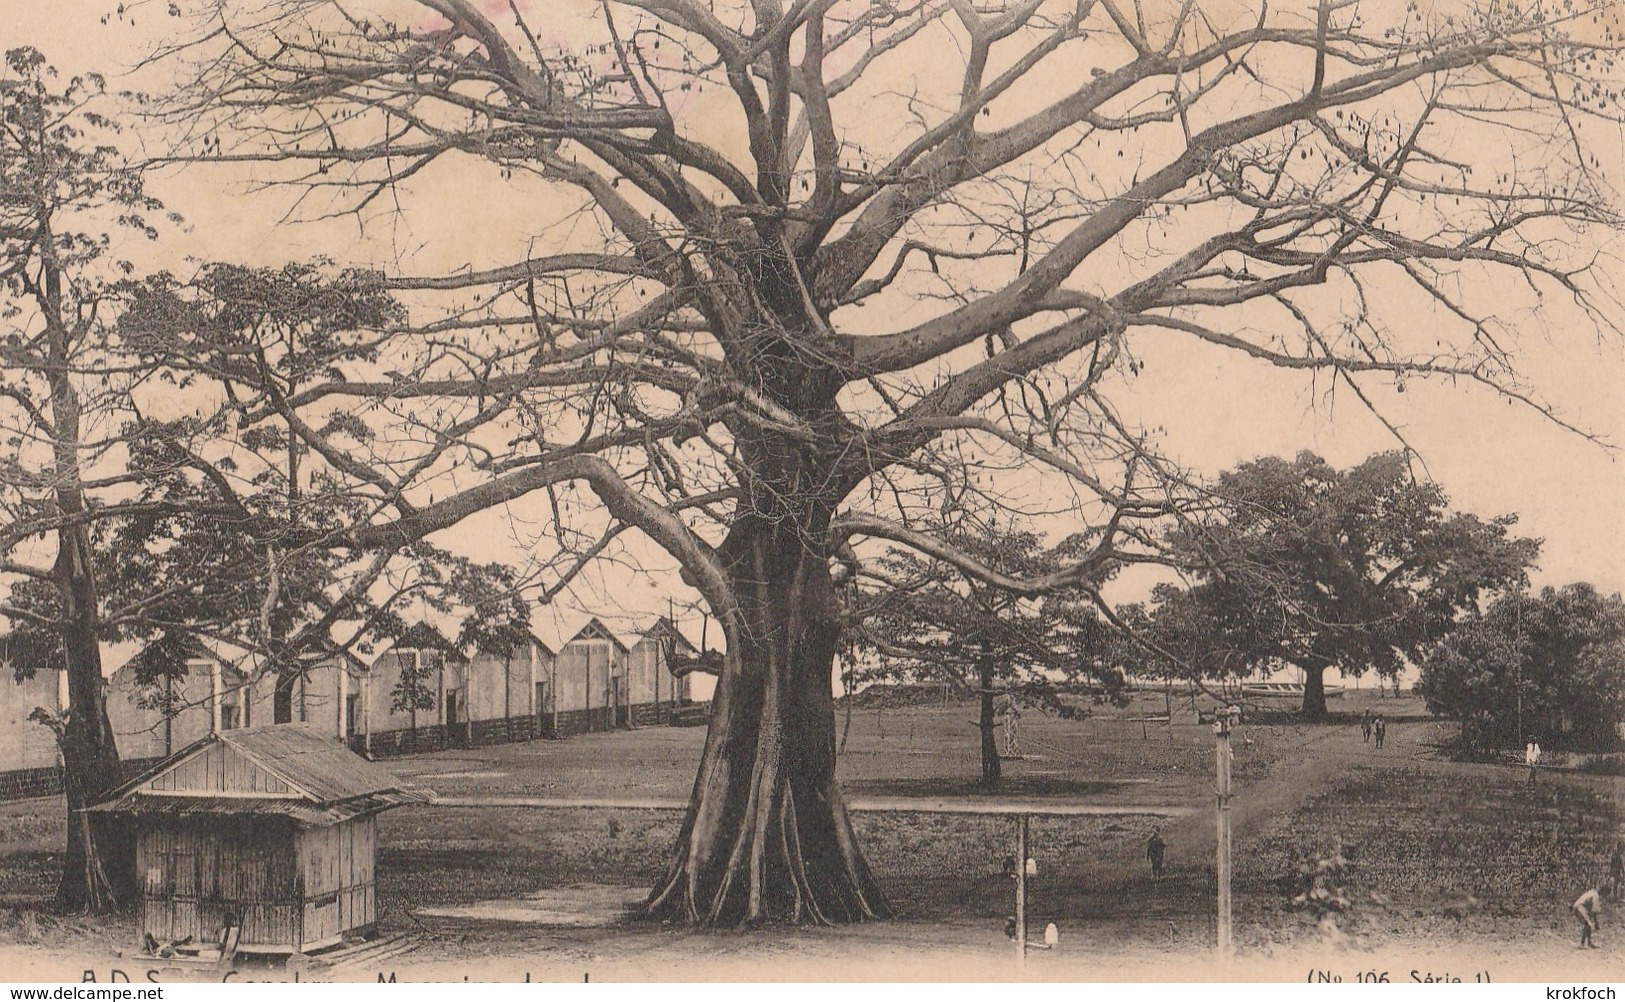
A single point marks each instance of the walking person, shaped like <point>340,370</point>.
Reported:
<point>1379,727</point>
<point>1155,849</point>
<point>1588,909</point>
<point>1365,725</point>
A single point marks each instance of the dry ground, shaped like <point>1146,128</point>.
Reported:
<point>1454,866</point>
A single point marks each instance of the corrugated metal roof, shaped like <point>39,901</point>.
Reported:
<point>300,811</point>
<point>327,773</point>
<point>320,766</point>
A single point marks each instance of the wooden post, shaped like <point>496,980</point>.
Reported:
<point>1221,727</point>
<point>341,685</point>
<point>214,697</point>
<point>440,693</point>
<point>1021,892</point>
<point>531,654</point>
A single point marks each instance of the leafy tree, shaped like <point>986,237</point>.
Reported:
<point>774,304</point>
<point>267,578</point>
<point>1313,567</point>
<point>928,620</point>
<point>1547,667</point>
<point>415,689</point>
<point>216,525</point>
<point>497,620</point>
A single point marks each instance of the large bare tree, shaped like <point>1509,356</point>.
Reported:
<point>803,271</point>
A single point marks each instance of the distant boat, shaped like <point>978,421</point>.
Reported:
<point>1283,690</point>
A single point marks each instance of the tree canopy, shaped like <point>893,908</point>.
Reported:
<point>926,620</point>
<point>136,505</point>
<point>1307,566</point>
<point>1547,667</point>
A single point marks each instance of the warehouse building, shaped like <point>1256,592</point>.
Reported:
<point>419,694</point>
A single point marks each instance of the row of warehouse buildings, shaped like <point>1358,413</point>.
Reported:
<point>419,694</point>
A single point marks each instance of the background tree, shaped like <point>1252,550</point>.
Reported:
<point>64,392</point>
<point>1176,637</point>
<point>239,342</point>
<point>242,342</point>
<point>926,620</point>
<point>775,304</point>
<point>1307,566</point>
<point>1546,667</point>
<point>416,689</point>
<point>205,522</point>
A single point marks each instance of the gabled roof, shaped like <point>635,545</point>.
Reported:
<point>596,630</point>
<point>663,628</point>
<point>543,645</point>
<point>522,637</point>
<point>319,766</point>
<point>283,769</point>
<point>422,636</point>
<point>186,649</point>
<point>238,662</point>
<point>531,636</point>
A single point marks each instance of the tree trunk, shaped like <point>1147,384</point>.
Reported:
<point>991,769</point>
<point>98,870</point>
<point>767,836</point>
<point>1314,692</point>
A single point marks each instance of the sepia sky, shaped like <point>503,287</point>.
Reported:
<point>1214,407</point>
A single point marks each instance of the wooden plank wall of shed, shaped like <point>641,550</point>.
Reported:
<point>197,870</point>
<point>359,899</point>
<point>219,769</point>
<point>337,868</point>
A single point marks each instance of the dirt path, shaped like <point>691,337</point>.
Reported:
<point>1329,754</point>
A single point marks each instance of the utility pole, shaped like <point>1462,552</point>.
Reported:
<point>1021,892</point>
<point>1223,721</point>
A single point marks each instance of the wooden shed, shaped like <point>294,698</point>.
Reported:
<point>272,830</point>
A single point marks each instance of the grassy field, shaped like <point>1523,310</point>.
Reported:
<point>1443,856</point>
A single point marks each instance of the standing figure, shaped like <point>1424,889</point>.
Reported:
<point>1588,909</point>
<point>1155,848</point>
<point>1616,870</point>
<point>1380,728</point>
<point>1365,725</point>
<point>1531,758</point>
<point>1012,723</point>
